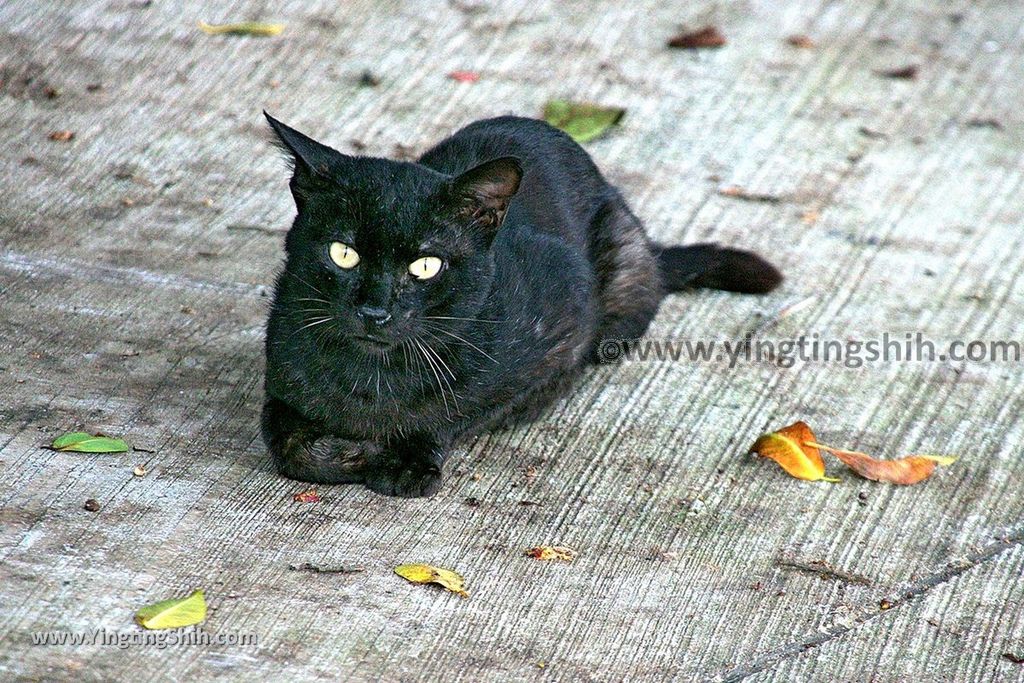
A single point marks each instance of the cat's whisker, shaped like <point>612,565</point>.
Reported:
<point>437,375</point>
<point>314,323</point>
<point>474,320</point>
<point>440,389</point>
<point>466,342</point>
<point>439,359</point>
<point>445,367</point>
<point>405,351</point>
<point>292,274</point>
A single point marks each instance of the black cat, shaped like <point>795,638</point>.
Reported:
<point>424,302</point>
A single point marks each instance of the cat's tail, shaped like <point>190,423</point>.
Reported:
<point>713,267</point>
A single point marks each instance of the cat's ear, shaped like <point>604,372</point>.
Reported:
<point>313,162</point>
<point>482,194</point>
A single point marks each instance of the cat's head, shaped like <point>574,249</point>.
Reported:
<point>384,251</point>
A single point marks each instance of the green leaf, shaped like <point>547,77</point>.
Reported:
<point>83,442</point>
<point>173,613</point>
<point>581,120</point>
<point>242,28</point>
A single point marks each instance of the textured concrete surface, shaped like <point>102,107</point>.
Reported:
<point>135,260</point>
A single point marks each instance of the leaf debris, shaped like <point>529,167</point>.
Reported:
<point>746,195</point>
<point>583,121</point>
<point>906,73</point>
<point>464,76</point>
<point>368,79</point>
<point>707,37</point>
<point>173,613</point>
<point>425,573</point>
<point>242,28</point>
<point>551,552</point>
<point>307,496</point>
<point>801,41</point>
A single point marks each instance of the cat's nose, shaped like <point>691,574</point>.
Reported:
<point>372,315</point>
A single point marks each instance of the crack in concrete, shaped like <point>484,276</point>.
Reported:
<point>918,588</point>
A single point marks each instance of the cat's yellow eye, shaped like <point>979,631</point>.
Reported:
<point>343,255</point>
<point>426,267</point>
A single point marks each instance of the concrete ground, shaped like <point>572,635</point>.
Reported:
<point>135,260</point>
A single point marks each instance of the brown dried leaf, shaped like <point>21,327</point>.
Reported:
<point>903,471</point>
<point>707,37</point>
<point>907,73</point>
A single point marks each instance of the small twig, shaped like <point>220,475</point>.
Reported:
<point>823,568</point>
<point>746,195</point>
<point>315,568</point>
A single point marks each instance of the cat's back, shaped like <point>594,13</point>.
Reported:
<point>561,189</point>
<point>534,142</point>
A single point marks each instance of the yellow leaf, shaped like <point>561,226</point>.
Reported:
<point>552,552</point>
<point>425,573</point>
<point>789,448</point>
<point>173,613</point>
<point>243,28</point>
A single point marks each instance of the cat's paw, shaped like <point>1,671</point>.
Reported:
<point>405,480</point>
<point>324,459</point>
<point>413,470</point>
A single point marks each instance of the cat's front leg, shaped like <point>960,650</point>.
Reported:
<point>303,450</point>
<point>408,467</point>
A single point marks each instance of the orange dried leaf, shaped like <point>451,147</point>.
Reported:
<point>308,496</point>
<point>903,471</point>
<point>552,552</point>
<point>789,448</point>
